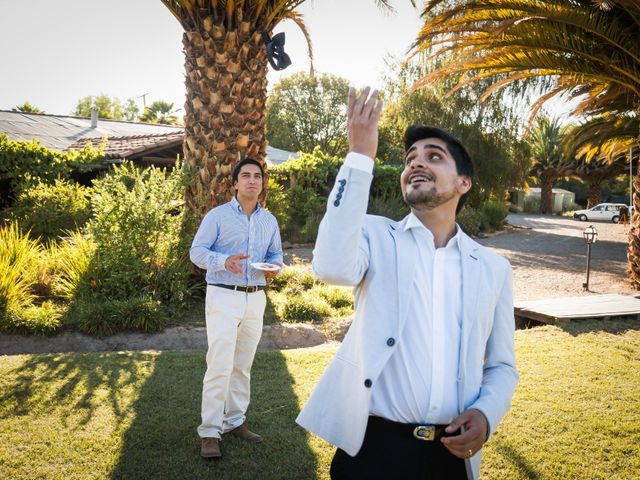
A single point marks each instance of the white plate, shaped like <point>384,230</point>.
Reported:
<point>266,267</point>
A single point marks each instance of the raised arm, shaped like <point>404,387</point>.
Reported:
<point>341,255</point>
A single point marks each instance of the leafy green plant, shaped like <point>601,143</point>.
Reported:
<point>49,210</point>
<point>29,161</point>
<point>337,297</point>
<point>469,220</point>
<point>494,214</point>
<point>70,260</point>
<point>40,319</point>
<point>102,316</point>
<point>295,278</point>
<point>19,255</point>
<point>138,256</point>
<point>303,307</point>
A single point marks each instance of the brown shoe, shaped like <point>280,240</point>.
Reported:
<point>243,433</point>
<point>209,448</point>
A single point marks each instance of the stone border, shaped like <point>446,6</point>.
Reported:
<point>274,337</point>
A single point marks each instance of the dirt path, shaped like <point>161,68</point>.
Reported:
<point>548,255</point>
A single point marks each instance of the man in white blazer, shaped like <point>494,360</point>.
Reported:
<point>427,369</point>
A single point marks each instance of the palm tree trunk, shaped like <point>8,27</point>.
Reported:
<point>633,248</point>
<point>225,114</point>
<point>546,193</point>
<point>595,193</point>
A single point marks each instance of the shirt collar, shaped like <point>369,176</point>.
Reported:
<point>238,208</point>
<point>414,222</point>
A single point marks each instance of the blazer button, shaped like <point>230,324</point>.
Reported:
<point>336,203</point>
<point>341,189</point>
<point>339,196</point>
<point>342,182</point>
<point>391,341</point>
<point>367,383</point>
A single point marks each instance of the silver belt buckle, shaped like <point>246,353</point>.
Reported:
<point>426,433</point>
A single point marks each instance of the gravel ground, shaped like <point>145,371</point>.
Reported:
<point>549,256</point>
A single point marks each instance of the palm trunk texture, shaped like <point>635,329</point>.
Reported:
<point>546,193</point>
<point>225,114</point>
<point>595,193</point>
<point>633,248</point>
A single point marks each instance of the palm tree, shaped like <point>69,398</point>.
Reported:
<point>596,172</point>
<point>226,82</point>
<point>585,49</point>
<point>160,112</point>
<point>549,161</point>
<point>26,107</point>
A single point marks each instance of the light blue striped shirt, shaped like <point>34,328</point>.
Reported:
<point>227,230</point>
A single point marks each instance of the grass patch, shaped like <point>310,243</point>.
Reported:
<point>575,415</point>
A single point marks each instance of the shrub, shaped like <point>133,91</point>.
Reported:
<point>101,316</point>
<point>137,231</point>
<point>70,260</point>
<point>19,255</point>
<point>29,161</point>
<point>138,263</point>
<point>494,214</point>
<point>294,279</point>
<point>389,205</point>
<point>42,319</point>
<point>304,307</point>
<point>469,220</point>
<point>48,210</point>
<point>337,297</point>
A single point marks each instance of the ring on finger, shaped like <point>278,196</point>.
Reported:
<point>470,453</point>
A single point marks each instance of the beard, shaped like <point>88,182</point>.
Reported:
<point>426,199</point>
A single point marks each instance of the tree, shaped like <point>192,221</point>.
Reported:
<point>108,108</point>
<point>306,111</point>
<point>131,110</point>
<point>586,49</point>
<point>596,172</point>
<point>488,131</point>
<point>549,161</point>
<point>226,82</point>
<point>26,107</point>
<point>160,112</point>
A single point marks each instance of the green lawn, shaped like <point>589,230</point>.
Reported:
<point>576,413</point>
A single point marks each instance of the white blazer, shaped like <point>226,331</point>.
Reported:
<point>376,256</point>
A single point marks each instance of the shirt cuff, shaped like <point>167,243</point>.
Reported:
<point>359,161</point>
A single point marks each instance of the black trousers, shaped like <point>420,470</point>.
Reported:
<point>390,451</point>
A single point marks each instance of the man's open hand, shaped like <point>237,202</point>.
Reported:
<point>234,263</point>
<point>362,121</point>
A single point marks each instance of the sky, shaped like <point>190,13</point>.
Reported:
<point>55,52</point>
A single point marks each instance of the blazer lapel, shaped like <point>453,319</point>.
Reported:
<point>406,260</point>
<point>470,290</point>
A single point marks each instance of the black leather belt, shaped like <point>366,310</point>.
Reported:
<point>424,432</point>
<point>239,288</point>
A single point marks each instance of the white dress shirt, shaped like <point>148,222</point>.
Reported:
<point>419,382</point>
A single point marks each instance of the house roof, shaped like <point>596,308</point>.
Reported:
<point>126,147</point>
<point>125,139</point>
<point>60,131</point>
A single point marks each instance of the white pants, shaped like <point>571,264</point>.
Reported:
<point>234,327</point>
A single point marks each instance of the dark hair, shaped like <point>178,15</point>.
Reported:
<point>242,163</point>
<point>464,165</point>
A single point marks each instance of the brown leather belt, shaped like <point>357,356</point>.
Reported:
<point>239,288</point>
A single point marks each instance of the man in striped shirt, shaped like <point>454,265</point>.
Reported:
<point>230,238</point>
